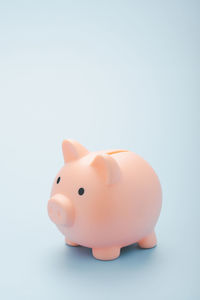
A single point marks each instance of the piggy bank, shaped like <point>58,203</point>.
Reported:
<point>105,200</point>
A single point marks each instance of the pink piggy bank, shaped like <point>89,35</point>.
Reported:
<point>105,200</point>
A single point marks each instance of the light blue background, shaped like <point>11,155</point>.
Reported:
<point>110,74</point>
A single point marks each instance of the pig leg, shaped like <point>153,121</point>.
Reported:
<point>106,253</point>
<point>148,241</point>
<point>70,243</point>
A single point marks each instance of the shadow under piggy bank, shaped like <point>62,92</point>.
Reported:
<point>79,264</point>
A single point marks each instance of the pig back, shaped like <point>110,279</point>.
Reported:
<point>136,199</point>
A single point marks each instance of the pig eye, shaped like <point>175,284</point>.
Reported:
<point>81,191</point>
<point>58,180</point>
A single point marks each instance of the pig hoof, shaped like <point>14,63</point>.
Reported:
<point>106,253</point>
<point>70,243</point>
<point>148,241</point>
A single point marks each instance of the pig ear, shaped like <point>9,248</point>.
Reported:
<point>73,150</point>
<point>107,168</point>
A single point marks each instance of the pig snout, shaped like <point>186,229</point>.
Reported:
<point>61,210</point>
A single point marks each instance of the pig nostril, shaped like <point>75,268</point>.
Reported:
<point>50,211</point>
<point>60,210</point>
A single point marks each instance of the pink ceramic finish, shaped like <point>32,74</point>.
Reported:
<point>105,200</point>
